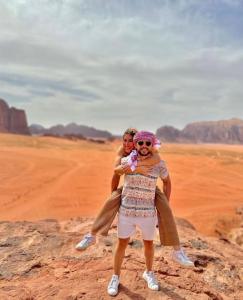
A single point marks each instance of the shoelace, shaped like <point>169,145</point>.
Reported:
<point>113,282</point>
<point>184,255</point>
<point>88,237</point>
<point>152,279</point>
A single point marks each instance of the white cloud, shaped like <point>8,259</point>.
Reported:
<point>112,64</point>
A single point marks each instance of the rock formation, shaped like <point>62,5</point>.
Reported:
<point>225,131</point>
<point>12,120</point>
<point>70,129</point>
<point>38,261</point>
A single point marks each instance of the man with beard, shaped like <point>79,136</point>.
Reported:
<point>138,208</point>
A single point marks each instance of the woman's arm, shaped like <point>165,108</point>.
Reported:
<point>150,161</point>
<point>115,182</point>
<point>116,176</point>
<point>144,166</point>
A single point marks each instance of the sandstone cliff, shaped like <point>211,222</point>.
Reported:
<point>38,261</point>
<point>12,120</point>
<point>225,131</point>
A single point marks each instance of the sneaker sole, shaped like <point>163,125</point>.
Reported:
<point>183,266</point>
<point>82,249</point>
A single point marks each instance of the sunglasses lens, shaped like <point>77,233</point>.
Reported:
<point>140,143</point>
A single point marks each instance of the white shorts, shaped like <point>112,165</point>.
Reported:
<point>126,226</point>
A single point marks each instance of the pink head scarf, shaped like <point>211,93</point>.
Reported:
<point>147,136</point>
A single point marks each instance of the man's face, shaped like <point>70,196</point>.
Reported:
<point>144,147</point>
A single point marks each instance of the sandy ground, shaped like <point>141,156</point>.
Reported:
<point>43,177</point>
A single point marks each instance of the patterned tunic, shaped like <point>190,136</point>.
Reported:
<point>138,192</point>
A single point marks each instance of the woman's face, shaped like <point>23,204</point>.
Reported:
<point>128,143</point>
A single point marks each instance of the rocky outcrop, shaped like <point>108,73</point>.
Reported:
<point>225,131</point>
<point>169,134</point>
<point>38,261</point>
<point>12,120</point>
<point>70,129</point>
<point>228,131</point>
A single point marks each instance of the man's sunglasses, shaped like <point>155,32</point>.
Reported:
<point>140,143</point>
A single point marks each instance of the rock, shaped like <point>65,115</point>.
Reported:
<point>12,120</point>
<point>199,244</point>
<point>38,261</point>
<point>72,129</point>
<point>184,223</point>
<point>239,210</point>
<point>236,236</point>
<point>169,134</point>
<point>223,131</point>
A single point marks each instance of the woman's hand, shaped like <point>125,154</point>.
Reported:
<point>123,169</point>
<point>143,170</point>
<point>126,169</point>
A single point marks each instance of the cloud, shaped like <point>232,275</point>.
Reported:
<point>112,64</point>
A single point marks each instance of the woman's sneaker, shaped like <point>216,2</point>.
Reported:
<point>180,257</point>
<point>87,241</point>
<point>152,282</point>
<point>112,288</point>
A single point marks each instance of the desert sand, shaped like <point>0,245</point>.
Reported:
<point>44,177</point>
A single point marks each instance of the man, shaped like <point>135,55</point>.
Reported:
<point>138,209</point>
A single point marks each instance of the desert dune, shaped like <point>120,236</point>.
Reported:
<point>45,177</point>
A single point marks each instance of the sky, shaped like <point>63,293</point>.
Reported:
<point>112,64</point>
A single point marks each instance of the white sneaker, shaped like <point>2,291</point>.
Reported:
<point>180,257</point>
<point>87,241</point>
<point>152,282</point>
<point>112,288</point>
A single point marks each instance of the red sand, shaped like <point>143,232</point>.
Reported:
<point>42,177</point>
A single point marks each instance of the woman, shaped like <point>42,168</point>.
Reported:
<point>167,227</point>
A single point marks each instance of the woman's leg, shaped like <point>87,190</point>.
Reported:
<point>167,226</point>
<point>103,221</point>
<point>168,231</point>
<point>107,214</point>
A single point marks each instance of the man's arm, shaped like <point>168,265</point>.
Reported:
<point>167,187</point>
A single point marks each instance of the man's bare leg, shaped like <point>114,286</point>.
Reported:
<point>113,285</point>
<point>119,255</point>
<point>149,254</point>
<point>148,275</point>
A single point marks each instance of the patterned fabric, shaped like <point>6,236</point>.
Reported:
<point>131,160</point>
<point>138,192</point>
<point>147,135</point>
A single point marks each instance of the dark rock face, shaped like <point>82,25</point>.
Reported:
<point>229,131</point>
<point>12,120</point>
<point>70,129</point>
<point>225,131</point>
<point>169,133</point>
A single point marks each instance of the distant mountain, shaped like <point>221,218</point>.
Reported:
<point>224,131</point>
<point>70,129</point>
<point>12,120</point>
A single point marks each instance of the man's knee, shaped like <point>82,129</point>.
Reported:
<point>122,243</point>
<point>148,244</point>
